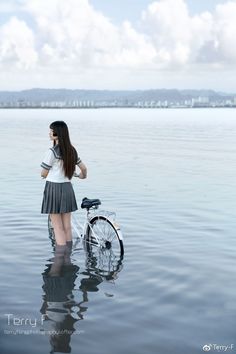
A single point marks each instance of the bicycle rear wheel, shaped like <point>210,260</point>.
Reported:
<point>103,236</point>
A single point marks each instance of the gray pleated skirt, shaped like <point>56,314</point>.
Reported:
<point>58,198</point>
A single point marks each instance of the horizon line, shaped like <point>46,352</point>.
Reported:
<point>119,90</point>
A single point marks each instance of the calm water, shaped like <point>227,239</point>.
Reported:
<point>170,177</point>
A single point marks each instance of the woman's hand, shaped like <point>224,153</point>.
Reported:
<point>44,173</point>
<point>83,171</point>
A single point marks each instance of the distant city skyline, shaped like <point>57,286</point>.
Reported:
<point>98,44</point>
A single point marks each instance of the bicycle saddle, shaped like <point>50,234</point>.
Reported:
<point>89,203</point>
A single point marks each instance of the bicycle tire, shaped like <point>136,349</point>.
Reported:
<point>107,233</point>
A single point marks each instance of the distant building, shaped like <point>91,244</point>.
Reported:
<point>200,102</point>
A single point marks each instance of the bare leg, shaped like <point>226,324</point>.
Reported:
<point>60,249</point>
<point>66,221</point>
<point>58,260</point>
<point>58,227</point>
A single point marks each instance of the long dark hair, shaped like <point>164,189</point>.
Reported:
<point>67,151</point>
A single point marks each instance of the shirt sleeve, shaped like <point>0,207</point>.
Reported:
<point>48,160</point>
<point>78,161</point>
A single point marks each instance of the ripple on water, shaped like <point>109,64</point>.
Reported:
<point>176,207</point>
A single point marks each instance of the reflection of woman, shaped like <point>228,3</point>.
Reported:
<point>59,201</point>
<point>60,309</point>
<point>57,308</point>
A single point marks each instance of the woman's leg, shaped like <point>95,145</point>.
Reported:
<point>58,260</point>
<point>66,221</point>
<point>58,227</point>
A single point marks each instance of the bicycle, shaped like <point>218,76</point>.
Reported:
<point>100,233</point>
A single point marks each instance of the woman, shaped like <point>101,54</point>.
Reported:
<point>58,167</point>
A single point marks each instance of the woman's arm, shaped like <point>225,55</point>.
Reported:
<point>44,173</point>
<point>47,163</point>
<point>83,170</point>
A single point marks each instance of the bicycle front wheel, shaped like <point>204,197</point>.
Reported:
<point>104,236</point>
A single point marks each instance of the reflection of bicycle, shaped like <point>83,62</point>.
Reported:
<point>61,309</point>
<point>107,268</point>
<point>100,233</point>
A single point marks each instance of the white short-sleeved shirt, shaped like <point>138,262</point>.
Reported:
<point>53,163</point>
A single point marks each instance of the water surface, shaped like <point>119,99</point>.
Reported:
<point>170,177</point>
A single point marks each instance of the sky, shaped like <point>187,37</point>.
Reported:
<point>123,45</point>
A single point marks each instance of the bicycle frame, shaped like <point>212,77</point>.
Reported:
<point>99,233</point>
<point>91,213</point>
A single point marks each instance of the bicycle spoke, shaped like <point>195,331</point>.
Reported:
<point>107,249</point>
<point>103,243</point>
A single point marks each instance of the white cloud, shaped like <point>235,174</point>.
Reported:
<point>70,39</point>
<point>73,32</point>
<point>177,36</point>
<point>225,31</point>
<point>17,45</point>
